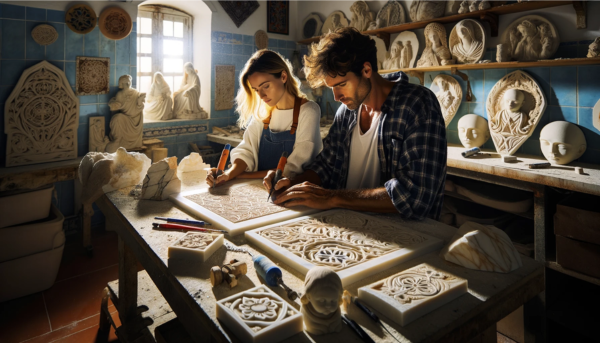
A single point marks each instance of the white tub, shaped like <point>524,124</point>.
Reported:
<point>25,206</point>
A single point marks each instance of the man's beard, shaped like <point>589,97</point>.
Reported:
<point>362,92</point>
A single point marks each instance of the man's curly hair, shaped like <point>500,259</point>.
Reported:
<point>337,53</point>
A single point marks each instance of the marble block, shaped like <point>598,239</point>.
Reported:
<point>191,163</point>
<point>482,247</point>
<point>195,247</point>
<point>159,154</point>
<point>258,315</point>
<point>413,293</point>
<point>161,180</point>
<point>238,206</point>
<point>353,244</point>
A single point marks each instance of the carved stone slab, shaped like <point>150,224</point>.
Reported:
<point>407,56</point>
<point>353,244</point>
<point>467,41</point>
<point>596,115</point>
<point>449,94</point>
<point>224,87</point>
<point>92,75</point>
<point>335,20</point>
<point>531,38</point>
<point>44,34</point>
<point>81,19</point>
<point>413,293</point>
<point>391,14</point>
<point>97,138</point>
<point>259,315</point>
<point>41,117</point>
<point>195,247</point>
<point>510,129</point>
<point>115,23</point>
<point>236,206</point>
<point>311,26</point>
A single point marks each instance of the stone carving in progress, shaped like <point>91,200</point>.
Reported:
<point>473,131</point>
<point>515,106</point>
<point>92,75</point>
<point>259,315</point>
<point>426,9</point>
<point>186,100</point>
<point>391,14</point>
<point>403,51</point>
<point>335,20</point>
<point>261,39</point>
<point>81,19</point>
<point>449,95</point>
<point>594,48</point>
<point>412,293</point>
<point>436,52</point>
<point>531,38</point>
<point>362,17</point>
<point>482,247</point>
<point>224,87</point>
<point>353,244</point>
<point>41,117</point>
<point>159,104</point>
<point>312,25</point>
<point>562,142</point>
<point>44,34</point>
<point>127,122</point>
<point>161,180</point>
<point>467,41</point>
<point>115,23</point>
<point>321,300</point>
<point>98,139</point>
<point>195,247</point>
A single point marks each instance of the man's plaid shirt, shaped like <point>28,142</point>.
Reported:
<point>411,144</point>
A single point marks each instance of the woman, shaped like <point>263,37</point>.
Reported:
<point>277,117</point>
<point>159,105</point>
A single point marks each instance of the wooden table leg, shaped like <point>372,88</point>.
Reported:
<point>128,284</point>
<point>87,228</point>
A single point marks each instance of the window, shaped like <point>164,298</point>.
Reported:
<point>164,43</point>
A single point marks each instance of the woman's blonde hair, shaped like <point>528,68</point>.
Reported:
<point>247,101</point>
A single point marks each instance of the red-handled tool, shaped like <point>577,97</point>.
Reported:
<point>279,172</point>
<point>222,161</point>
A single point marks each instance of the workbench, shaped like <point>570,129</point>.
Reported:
<point>187,289</point>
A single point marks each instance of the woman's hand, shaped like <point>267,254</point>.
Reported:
<point>283,183</point>
<point>221,179</point>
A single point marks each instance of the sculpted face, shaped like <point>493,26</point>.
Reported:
<point>526,28</point>
<point>513,100</point>
<point>562,142</point>
<point>473,131</point>
<point>325,300</point>
<point>396,50</point>
<point>124,83</point>
<point>269,88</point>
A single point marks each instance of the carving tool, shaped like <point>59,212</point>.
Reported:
<point>368,312</point>
<point>539,165</point>
<point>222,161</point>
<point>279,172</point>
<point>182,221</point>
<point>267,270</point>
<point>470,152</point>
<point>357,329</point>
<point>184,227</point>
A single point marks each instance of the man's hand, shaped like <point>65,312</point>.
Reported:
<point>306,194</point>
<point>210,177</point>
<point>283,183</point>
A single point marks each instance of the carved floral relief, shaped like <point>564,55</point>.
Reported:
<point>92,75</point>
<point>81,19</point>
<point>44,34</point>
<point>115,23</point>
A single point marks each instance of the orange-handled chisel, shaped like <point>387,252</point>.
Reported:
<point>222,161</point>
<point>279,172</point>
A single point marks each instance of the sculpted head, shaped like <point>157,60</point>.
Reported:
<point>159,78</point>
<point>323,290</point>
<point>545,30</point>
<point>188,68</point>
<point>396,49</point>
<point>513,99</point>
<point>527,28</point>
<point>562,142</point>
<point>473,131</point>
<point>125,82</point>
<point>465,31</point>
<point>335,20</point>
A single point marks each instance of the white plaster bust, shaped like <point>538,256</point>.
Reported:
<point>186,100</point>
<point>473,131</point>
<point>436,52</point>
<point>321,301</point>
<point>467,41</point>
<point>127,124</point>
<point>562,142</point>
<point>159,104</point>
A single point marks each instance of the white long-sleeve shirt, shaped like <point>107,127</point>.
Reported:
<point>307,146</point>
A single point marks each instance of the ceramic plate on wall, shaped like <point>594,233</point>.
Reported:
<point>81,19</point>
<point>115,23</point>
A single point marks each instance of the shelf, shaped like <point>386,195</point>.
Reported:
<point>527,215</point>
<point>37,175</point>
<point>490,15</point>
<point>555,266</point>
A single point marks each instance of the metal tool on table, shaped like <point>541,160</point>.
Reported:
<point>229,273</point>
<point>222,161</point>
<point>183,221</point>
<point>279,172</point>
<point>185,227</point>
<point>357,329</point>
<point>539,165</point>
<point>267,270</point>
<point>348,297</point>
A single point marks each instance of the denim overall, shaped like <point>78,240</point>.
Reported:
<point>273,144</point>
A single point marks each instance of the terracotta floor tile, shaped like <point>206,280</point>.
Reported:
<point>77,298</point>
<point>86,336</point>
<point>23,318</point>
<point>75,260</point>
<point>69,330</point>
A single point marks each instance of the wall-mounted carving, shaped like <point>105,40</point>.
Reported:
<point>261,39</point>
<point>81,19</point>
<point>594,48</point>
<point>239,11</point>
<point>403,51</point>
<point>224,87</point>
<point>562,142</point>
<point>41,117</point>
<point>159,104</point>
<point>186,100</point>
<point>467,41</point>
<point>127,121</point>
<point>44,34</point>
<point>362,17</point>
<point>531,38</point>
<point>92,75</point>
<point>515,106</point>
<point>449,95</point>
<point>115,23</point>
<point>436,52</point>
<point>335,20</point>
<point>98,138</point>
<point>312,25</point>
<point>426,9</point>
<point>161,180</point>
<point>392,13</point>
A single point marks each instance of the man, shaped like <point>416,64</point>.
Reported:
<point>386,150</point>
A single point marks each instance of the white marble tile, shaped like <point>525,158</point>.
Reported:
<point>195,247</point>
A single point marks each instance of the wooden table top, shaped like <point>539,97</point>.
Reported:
<point>188,290</point>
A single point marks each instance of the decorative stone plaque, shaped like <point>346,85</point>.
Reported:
<point>224,87</point>
<point>449,95</point>
<point>531,38</point>
<point>261,39</point>
<point>92,75</point>
<point>81,19</point>
<point>44,34</point>
<point>335,20</point>
<point>467,41</point>
<point>115,23</point>
<point>41,117</point>
<point>195,247</point>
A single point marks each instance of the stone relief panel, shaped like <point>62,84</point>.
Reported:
<point>467,41</point>
<point>44,34</point>
<point>261,39</point>
<point>115,23</point>
<point>449,95</point>
<point>515,106</point>
<point>413,293</point>
<point>312,25</point>
<point>98,138</point>
<point>426,9</point>
<point>392,13</point>
<point>531,38</point>
<point>335,20</point>
<point>194,247</point>
<point>403,51</point>
<point>41,117</point>
<point>224,87</point>
<point>436,52</point>
<point>81,19</point>
<point>362,17</point>
<point>92,75</point>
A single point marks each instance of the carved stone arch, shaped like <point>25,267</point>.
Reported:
<point>41,117</point>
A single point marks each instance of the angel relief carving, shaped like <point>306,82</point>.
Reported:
<point>449,96</point>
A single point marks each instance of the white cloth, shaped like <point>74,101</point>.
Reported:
<point>308,138</point>
<point>364,158</point>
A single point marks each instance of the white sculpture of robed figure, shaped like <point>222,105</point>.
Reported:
<point>159,105</point>
<point>468,46</point>
<point>321,301</point>
<point>473,131</point>
<point>562,142</point>
<point>436,52</point>
<point>126,126</point>
<point>186,100</point>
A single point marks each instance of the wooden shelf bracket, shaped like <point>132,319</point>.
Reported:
<point>465,77</point>
<point>581,12</point>
<point>418,74</point>
<point>492,19</point>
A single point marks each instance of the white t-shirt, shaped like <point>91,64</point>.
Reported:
<point>364,168</point>
<point>307,146</point>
